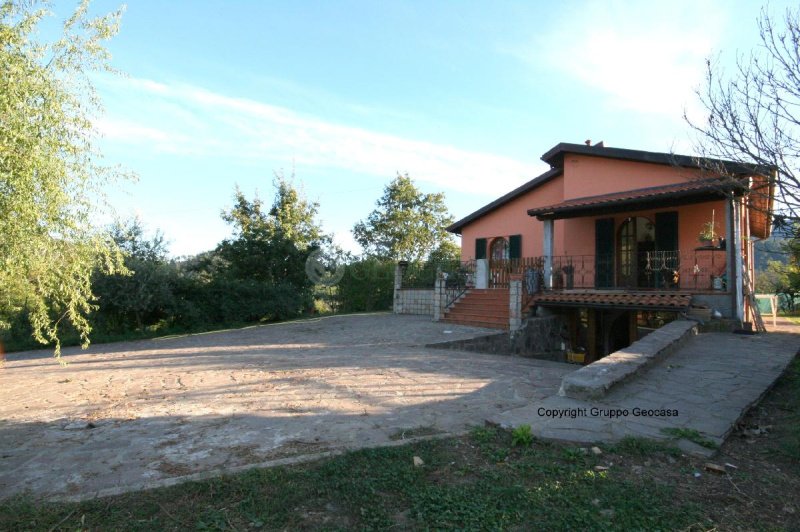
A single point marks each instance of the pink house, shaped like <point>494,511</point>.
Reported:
<point>610,237</point>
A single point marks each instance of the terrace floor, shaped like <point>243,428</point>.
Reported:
<point>132,415</point>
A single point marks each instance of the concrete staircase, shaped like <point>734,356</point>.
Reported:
<point>480,308</point>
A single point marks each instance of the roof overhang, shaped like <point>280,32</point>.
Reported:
<point>687,193</point>
<point>617,300</point>
<point>499,202</point>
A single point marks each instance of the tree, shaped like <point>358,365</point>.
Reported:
<point>780,279</point>
<point>142,298</point>
<point>406,224</point>
<point>272,246</point>
<point>753,115</point>
<point>49,172</point>
<point>293,215</point>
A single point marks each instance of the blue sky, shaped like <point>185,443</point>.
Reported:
<point>464,96</point>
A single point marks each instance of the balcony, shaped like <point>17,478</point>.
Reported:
<point>697,271</point>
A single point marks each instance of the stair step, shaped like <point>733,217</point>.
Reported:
<point>476,323</point>
<point>473,316</point>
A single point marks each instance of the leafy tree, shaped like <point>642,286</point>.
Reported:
<point>270,247</point>
<point>49,171</point>
<point>145,296</point>
<point>780,279</point>
<point>753,114</point>
<point>446,252</point>
<point>405,225</point>
<point>295,216</point>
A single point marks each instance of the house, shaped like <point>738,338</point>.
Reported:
<point>609,238</point>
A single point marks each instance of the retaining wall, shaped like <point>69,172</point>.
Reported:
<point>413,301</point>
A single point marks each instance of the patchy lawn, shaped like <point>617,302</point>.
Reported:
<point>482,481</point>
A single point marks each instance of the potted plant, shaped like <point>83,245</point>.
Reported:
<point>708,233</point>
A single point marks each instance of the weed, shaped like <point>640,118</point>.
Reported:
<point>521,436</point>
<point>690,434</point>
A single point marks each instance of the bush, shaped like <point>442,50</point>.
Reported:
<point>367,285</point>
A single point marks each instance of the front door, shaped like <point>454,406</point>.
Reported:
<point>635,247</point>
<point>498,263</point>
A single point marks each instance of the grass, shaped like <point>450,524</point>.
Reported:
<point>690,434</point>
<point>465,484</point>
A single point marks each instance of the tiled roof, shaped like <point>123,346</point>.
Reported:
<point>555,158</point>
<point>675,190</point>
<point>630,300</point>
<point>499,202</point>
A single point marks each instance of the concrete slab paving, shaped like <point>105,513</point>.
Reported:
<point>139,414</point>
<point>705,386</point>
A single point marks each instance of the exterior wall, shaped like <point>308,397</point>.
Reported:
<point>690,222</point>
<point>591,176</point>
<point>512,219</point>
<point>413,301</point>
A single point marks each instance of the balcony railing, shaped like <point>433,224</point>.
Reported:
<point>698,271</point>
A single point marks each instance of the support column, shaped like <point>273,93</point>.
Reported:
<point>730,254</point>
<point>737,258</point>
<point>439,295</point>
<point>548,253</point>
<point>515,302</point>
<point>482,274</point>
<point>399,269</point>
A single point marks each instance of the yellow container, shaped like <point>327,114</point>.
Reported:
<point>575,358</point>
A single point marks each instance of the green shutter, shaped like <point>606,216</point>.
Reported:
<point>515,247</point>
<point>604,253</point>
<point>667,241</point>
<point>667,231</point>
<point>480,248</point>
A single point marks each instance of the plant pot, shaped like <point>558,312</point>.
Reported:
<point>706,243</point>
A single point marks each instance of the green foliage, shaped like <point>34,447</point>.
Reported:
<point>521,436</point>
<point>780,278</point>
<point>145,296</point>
<point>367,285</point>
<point>405,225</point>
<point>49,172</point>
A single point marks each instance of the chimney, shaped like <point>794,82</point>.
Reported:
<point>588,142</point>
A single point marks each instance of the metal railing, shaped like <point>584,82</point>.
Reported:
<point>698,270</point>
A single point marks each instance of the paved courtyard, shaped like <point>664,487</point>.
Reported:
<point>128,415</point>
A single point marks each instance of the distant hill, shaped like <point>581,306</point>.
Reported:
<point>770,249</point>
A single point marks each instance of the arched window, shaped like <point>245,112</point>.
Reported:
<point>499,249</point>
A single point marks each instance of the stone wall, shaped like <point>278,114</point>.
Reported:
<point>720,302</point>
<point>413,301</point>
<point>539,337</point>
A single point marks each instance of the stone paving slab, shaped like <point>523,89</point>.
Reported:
<point>595,380</point>
<point>126,415</point>
<point>706,385</point>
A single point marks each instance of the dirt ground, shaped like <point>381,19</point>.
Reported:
<point>129,415</point>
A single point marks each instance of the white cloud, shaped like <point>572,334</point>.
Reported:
<point>642,56</point>
<point>190,120</point>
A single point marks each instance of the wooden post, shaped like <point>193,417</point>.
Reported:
<point>633,326</point>
<point>591,335</point>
